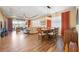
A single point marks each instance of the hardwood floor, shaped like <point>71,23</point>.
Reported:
<point>20,42</point>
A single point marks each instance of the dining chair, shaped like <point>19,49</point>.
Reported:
<point>41,35</point>
<point>53,35</point>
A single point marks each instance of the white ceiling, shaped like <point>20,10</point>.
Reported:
<point>22,12</point>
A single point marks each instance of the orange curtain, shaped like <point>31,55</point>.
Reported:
<point>65,22</point>
<point>29,23</point>
<point>48,24</point>
<point>9,24</point>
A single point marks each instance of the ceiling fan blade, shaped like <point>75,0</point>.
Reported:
<point>25,16</point>
<point>34,16</point>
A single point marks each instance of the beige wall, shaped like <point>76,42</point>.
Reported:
<point>73,17</point>
<point>1,18</point>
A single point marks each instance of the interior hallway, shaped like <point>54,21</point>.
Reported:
<point>16,42</point>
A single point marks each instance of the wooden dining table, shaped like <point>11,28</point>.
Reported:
<point>48,33</point>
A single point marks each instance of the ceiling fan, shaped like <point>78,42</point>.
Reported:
<point>32,17</point>
<point>49,7</point>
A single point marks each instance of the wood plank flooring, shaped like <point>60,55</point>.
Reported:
<point>20,42</point>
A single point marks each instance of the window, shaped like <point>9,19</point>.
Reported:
<point>36,23</point>
<point>18,23</point>
<point>56,21</point>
